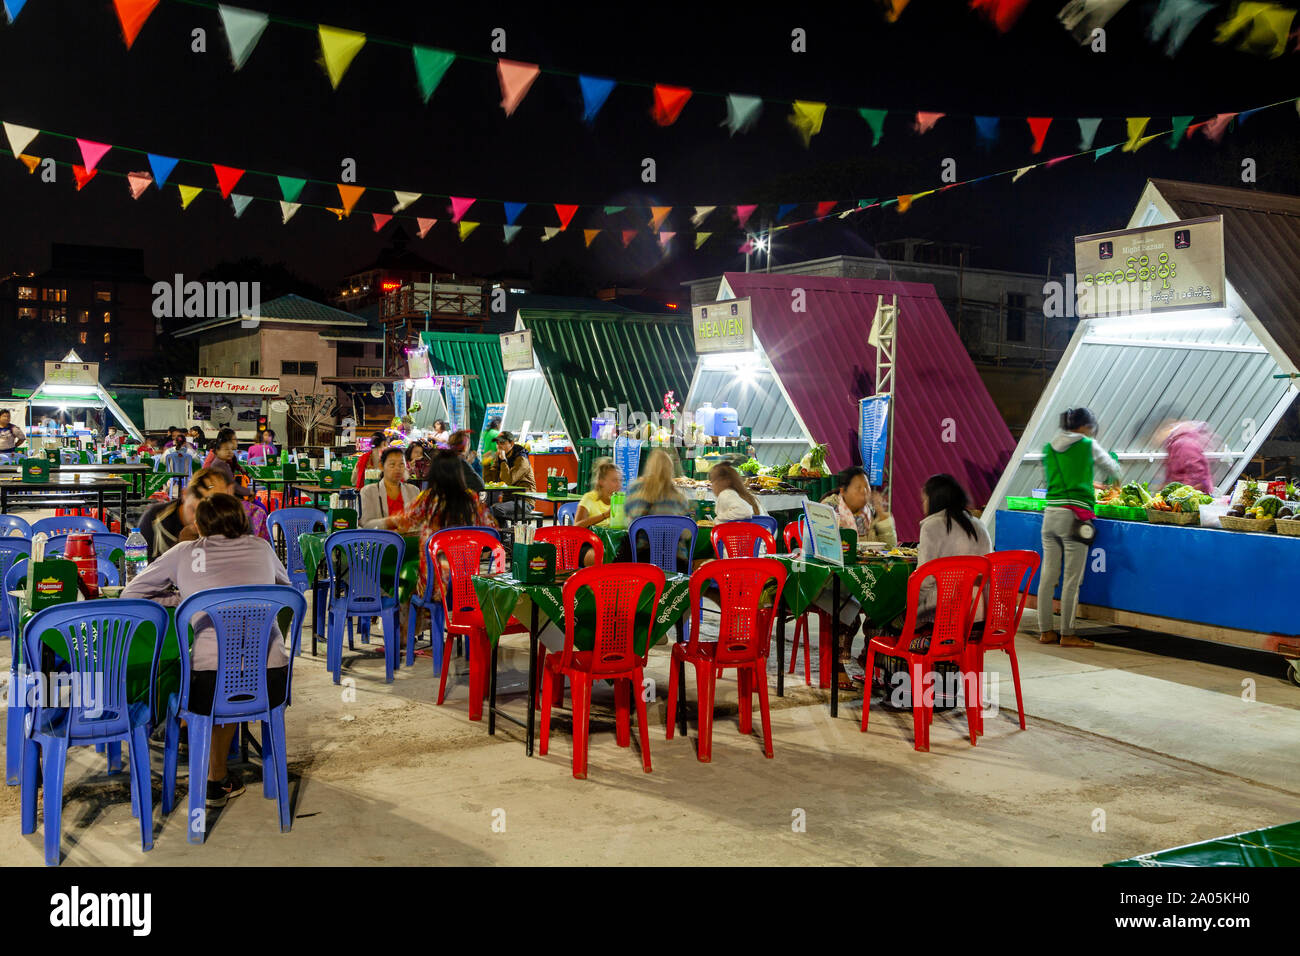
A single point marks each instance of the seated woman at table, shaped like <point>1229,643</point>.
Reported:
<point>264,450</point>
<point>417,463</point>
<point>223,434</point>
<point>654,493</point>
<point>594,507</point>
<point>231,557</point>
<point>444,503</point>
<point>458,444</point>
<point>167,523</point>
<point>735,501</point>
<point>862,508</point>
<point>389,496</point>
<point>226,463</point>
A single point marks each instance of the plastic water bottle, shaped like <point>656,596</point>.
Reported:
<point>137,554</point>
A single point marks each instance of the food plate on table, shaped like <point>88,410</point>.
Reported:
<point>871,547</point>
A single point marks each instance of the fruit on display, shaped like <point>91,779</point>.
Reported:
<point>1267,506</point>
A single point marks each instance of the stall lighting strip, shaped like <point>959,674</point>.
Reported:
<point>1174,344</point>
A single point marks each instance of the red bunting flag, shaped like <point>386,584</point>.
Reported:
<point>132,14</point>
<point>824,208</point>
<point>743,213</point>
<point>1038,126</point>
<point>669,101</point>
<point>925,121</point>
<point>748,247</point>
<point>566,214</point>
<point>92,152</point>
<point>628,236</point>
<point>83,175</point>
<point>1003,14</point>
<point>227,177</point>
<point>381,219</point>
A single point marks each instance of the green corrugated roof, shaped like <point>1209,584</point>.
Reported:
<point>594,360</point>
<point>465,353</point>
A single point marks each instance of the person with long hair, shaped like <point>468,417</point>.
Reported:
<point>655,493</point>
<point>948,530</point>
<point>417,463</point>
<point>1071,461</point>
<point>225,461</point>
<point>231,557</point>
<point>459,445</point>
<point>735,501</point>
<point>370,459</point>
<point>594,507</point>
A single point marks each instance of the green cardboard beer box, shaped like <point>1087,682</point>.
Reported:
<point>533,563</point>
<point>705,510</point>
<point>52,455</point>
<point>341,519</point>
<point>37,469</point>
<point>53,582</point>
<point>289,471</point>
<point>849,545</point>
<point>557,486</point>
<point>331,479</point>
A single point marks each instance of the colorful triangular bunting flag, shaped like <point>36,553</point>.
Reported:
<point>240,203</point>
<point>595,90</point>
<point>381,219</point>
<point>138,183</point>
<point>1087,133</point>
<point>339,47</point>
<point>876,120</point>
<point>424,226</point>
<point>1136,126</point>
<point>459,206</point>
<point>187,194</point>
<point>516,79</point>
<point>227,177</point>
<point>466,227</point>
<point>743,213</point>
<point>92,152</point>
<point>701,238</point>
<point>349,195</point>
<point>925,122</point>
<point>162,167</point>
<point>742,112</point>
<point>430,67</point>
<point>20,137</point>
<point>287,209</point>
<point>657,216</point>
<point>807,119</point>
<point>291,187</point>
<point>668,103</point>
<point>628,236</point>
<point>13,8</point>
<point>513,209</point>
<point>509,233</point>
<point>550,232</point>
<point>1038,126</point>
<point>82,175</point>
<point>588,235</point>
<point>243,30</point>
<point>701,213</point>
<point>404,199</point>
<point>31,162</point>
<point>132,14</point>
<point>566,214</point>
<point>1214,128</point>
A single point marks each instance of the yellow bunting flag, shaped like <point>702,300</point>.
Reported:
<point>1020,172</point>
<point>588,235</point>
<point>701,238</point>
<point>349,195</point>
<point>339,47</point>
<point>187,194</point>
<point>807,119</point>
<point>657,216</point>
<point>916,196</point>
<point>1264,28</point>
<point>1136,126</point>
<point>549,232</point>
<point>31,162</point>
<point>339,213</point>
<point>1146,139</point>
<point>466,227</point>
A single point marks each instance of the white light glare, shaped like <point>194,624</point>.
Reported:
<point>1172,322</point>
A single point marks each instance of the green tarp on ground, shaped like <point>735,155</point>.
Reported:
<point>1273,846</point>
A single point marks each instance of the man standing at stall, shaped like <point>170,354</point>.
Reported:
<point>11,436</point>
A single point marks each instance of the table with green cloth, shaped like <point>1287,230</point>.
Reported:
<point>879,586</point>
<point>312,544</point>
<point>501,598</point>
<point>613,538</point>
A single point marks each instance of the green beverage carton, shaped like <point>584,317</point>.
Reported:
<point>36,469</point>
<point>533,563</point>
<point>341,519</point>
<point>849,545</point>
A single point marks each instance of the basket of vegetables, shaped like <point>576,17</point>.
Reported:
<point>1177,504</point>
<point>1128,503</point>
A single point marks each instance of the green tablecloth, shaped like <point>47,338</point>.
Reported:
<point>613,539</point>
<point>879,587</point>
<point>313,552</point>
<point>502,597</point>
<point>1274,846</point>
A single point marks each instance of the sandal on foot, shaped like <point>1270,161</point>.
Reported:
<point>1049,637</point>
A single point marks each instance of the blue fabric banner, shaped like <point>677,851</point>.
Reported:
<point>873,435</point>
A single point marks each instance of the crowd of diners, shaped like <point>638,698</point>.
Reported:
<point>424,488</point>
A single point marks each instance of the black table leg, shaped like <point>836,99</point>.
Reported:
<point>780,651</point>
<point>124,521</point>
<point>835,646</point>
<point>532,680</point>
<point>492,696</point>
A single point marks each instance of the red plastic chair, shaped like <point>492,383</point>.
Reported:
<point>1011,572</point>
<point>741,539</point>
<point>463,552</point>
<point>617,588</point>
<point>960,583</point>
<point>744,637</point>
<point>793,539</point>
<point>569,542</point>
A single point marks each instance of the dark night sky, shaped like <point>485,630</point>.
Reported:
<point>63,66</point>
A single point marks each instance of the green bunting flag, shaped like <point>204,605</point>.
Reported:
<point>430,66</point>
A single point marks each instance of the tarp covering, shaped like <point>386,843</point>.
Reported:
<point>470,354</point>
<point>945,420</point>
<point>595,360</point>
<point>1274,846</point>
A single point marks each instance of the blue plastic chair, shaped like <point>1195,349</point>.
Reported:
<point>664,532</point>
<point>106,542</point>
<point>767,521</point>
<point>14,562</point>
<point>182,464</point>
<point>437,614</point>
<point>69,456</point>
<point>13,523</point>
<point>292,522</point>
<point>567,513</point>
<point>67,524</point>
<point>244,619</point>
<point>109,575</point>
<point>99,635</point>
<point>361,593</point>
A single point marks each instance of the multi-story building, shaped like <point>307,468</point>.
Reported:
<point>99,296</point>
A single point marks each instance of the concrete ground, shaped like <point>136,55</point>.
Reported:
<point>1141,743</point>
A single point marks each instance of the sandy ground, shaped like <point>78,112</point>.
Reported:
<point>1143,743</point>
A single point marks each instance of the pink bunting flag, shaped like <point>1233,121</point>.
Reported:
<point>92,153</point>
<point>666,237</point>
<point>516,79</point>
<point>1058,159</point>
<point>743,213</point>
<point>138,182</point>
<point>748,247</point>
<point>424,224</point>
<point>381,219</point>
<point>1214,128</point>
<point>459,206</point>
<point>925,121</point>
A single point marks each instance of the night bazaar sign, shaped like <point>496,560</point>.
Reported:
<point>723,326</point>
<point>1165,268</point>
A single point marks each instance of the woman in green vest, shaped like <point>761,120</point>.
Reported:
<point>1071,461</point>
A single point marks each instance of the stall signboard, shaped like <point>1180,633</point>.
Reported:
<point>517,351</point>
<point>71,373</point>
<point>493,412</point>
<point>417,362</point>
<point>239,386</point>
<point>457,413</point>
<point>627,458</point>
<point>1166,268</point>
<point>823,539</point>
<point>723,326</point>
<point>399,400</point>
<point>873,435</point>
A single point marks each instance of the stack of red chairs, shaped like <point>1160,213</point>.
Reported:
<point>114,525</point>
<point>744,639</point>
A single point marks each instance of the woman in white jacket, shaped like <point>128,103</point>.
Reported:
<point>735,501</point>
<point>391,494</point>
